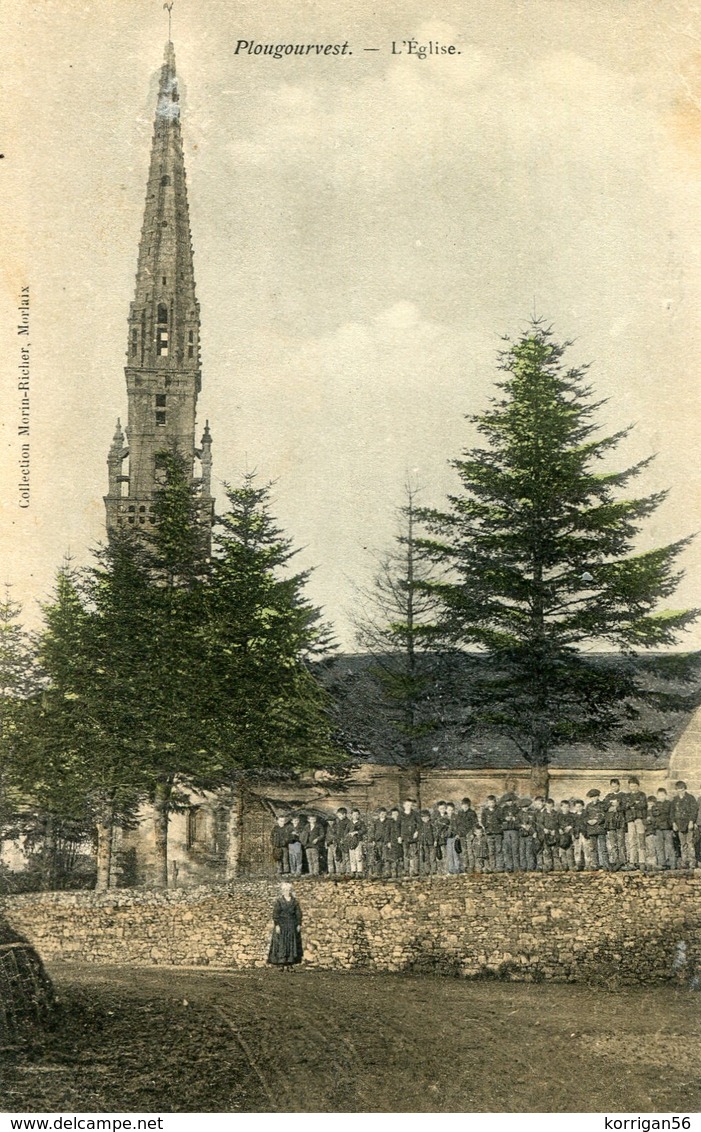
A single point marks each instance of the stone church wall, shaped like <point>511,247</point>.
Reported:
<point>600,928</point>
<point>210,857</point>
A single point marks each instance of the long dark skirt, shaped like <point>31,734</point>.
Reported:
<point>286,945</point>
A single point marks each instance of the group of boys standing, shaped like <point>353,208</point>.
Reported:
<point>623,830</point>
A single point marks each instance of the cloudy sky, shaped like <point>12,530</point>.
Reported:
<point>366,227</point>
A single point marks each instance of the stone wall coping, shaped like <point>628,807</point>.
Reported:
<point>525,883</point>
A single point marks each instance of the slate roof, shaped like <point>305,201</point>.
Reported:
<point>361,721</point>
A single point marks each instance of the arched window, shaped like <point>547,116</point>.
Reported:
<point>165,180</point>
<point>200,828</point>
<point>162,332</point>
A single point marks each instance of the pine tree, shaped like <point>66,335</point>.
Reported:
<point>166,670</point>
<point>541,543</point>
<point>119,719</point>
<point>120,636</point>
<point>19,680</point>
<point>58,729</point>
<point>410,670</point>
<point>263,710</point>
<point>57,738</point>
<point>267,709</point>
<point>168,638</point>
<point>78,764</point>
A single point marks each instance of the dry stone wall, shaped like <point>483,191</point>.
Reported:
<point>577,927</point>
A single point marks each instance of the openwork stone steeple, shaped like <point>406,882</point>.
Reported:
<point>163,353</point>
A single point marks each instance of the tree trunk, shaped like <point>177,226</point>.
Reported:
<point>161,810</point>
<point>48,868</point>
<point>233,856</point>
<point>540,780</point>
<point>105,833</point>
<point>417,777</point>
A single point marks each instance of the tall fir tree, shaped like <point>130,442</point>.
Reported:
<point>122,652</point>
<point>19,681</point>
<point>120,635</point>
<point>79,764</point>
<point>541,543</point>
<point>266,710</point>
<point>58,741</point>
<point>411,673</point>
<point>170,663</point>
<point>269,709</point>
<point>166,670</point>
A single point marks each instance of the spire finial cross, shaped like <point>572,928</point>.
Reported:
<point>169,10</point>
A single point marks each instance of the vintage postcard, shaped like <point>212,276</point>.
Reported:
<point>350,746</point>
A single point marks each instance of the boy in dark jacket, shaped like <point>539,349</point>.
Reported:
<point>549,836</point>
<point>565,840</point>
<point>466,822</point>
<point>441,826</point>
<point>595,824</point>
<point>355,839</point>
<point>452,856</point>
<point>479,848</point>
<point>343,825</point>
<point>537,810</point>
<point>579,833</point>
<point>616,792</point>
<point>615,822</point>
<point>660,811</point>
<point>684,810</point>
<point>379,845</point>
<point>409,829</point>
<point>312,843</point>
<point>635,809</point>
<point>527,841</point>
<point>337,858</point>
<point>426,845</point>
<point>491,822</point>
<point>394,843</point>
<point>510,813</point>
<point>279,841</point>
<point>294,845</point>
<point>650,836</point>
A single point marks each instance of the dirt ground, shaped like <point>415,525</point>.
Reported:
<point>165,1040</point>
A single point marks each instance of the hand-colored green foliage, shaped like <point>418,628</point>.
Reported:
<point>265,706</point>
<point>397,626</point>
<point>540,545</point>
<point>163,663</point>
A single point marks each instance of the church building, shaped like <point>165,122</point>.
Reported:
<point>222,834</point>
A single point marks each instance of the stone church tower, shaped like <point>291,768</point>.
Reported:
<point>163,351</point>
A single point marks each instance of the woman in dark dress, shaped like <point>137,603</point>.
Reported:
<point>286,942</point>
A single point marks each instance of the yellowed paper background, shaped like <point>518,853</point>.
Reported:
<point>365,228</point>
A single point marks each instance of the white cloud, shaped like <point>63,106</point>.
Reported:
<point>442,110</point>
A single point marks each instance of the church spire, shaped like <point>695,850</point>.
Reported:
<point>169,8</point>
<point>164,317</point>
<point>163,352</point>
